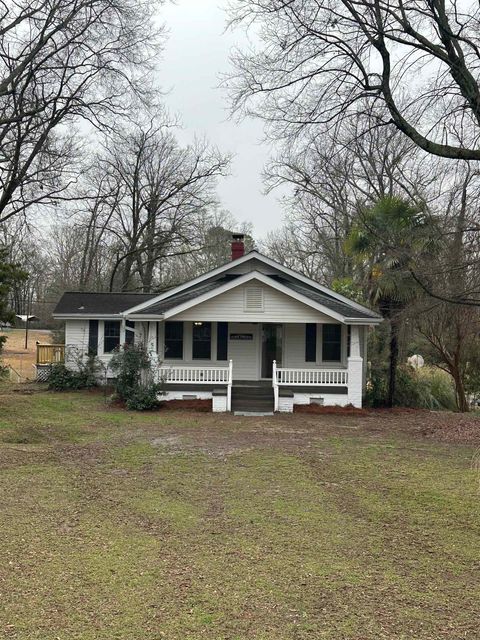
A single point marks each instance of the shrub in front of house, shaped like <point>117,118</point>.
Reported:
<point>135,383</point>
<point>425,388</point>
<point>85,375</point>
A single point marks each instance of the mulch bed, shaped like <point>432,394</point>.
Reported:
<point>321,410</point>
<point>203,406</point>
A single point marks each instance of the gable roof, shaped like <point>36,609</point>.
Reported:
<point>87,304</point>
<point>256,255</point>
<point>144,305</point>
<point>181,301</point>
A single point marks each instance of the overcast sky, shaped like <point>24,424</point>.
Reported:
<point>196,53</point>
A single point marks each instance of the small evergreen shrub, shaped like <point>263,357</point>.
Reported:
<point>135,378</point>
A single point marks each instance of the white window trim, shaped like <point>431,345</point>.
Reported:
<point>343,347</point>
<point>188,345</point>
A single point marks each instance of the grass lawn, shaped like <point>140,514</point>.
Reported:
<point>179,525</point>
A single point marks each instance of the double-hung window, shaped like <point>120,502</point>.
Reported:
<point>174,340</point>
<point>331,342</point>
<point>111,335</point>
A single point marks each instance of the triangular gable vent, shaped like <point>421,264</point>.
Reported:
<point>254,299</point>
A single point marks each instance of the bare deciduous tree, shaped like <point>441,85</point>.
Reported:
<point>319,60</point>
<point>64,62</point>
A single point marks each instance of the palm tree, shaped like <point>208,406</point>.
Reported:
<point>385,240</point>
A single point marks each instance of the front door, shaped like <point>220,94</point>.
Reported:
<point>271,347</point>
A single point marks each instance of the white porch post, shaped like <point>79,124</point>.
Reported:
<point>275,386</point>
<point>152,345</point>
<point>355,369</point>
<point>229,386</point>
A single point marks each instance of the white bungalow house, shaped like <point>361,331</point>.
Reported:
<point>251,334</point>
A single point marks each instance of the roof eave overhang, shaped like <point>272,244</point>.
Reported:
<point>367,321</point>
<point>143,316</point>
<point>87,316</point>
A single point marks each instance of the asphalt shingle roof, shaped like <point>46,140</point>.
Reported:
<point>73,302</point>
<point>343,308</point>
<point>82,303</point>
<point>186,295</point>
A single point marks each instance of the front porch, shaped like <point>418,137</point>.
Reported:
<point>260,372</point>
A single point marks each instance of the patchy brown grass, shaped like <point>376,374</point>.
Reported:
<point>185,525</point>
<point>15,354</point>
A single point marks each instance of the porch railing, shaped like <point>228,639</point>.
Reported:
<point>306,377</point>
<point>174,374</point>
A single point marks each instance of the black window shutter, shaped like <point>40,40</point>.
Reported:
<point>222,341</point>
<point>310,342</point>
<point>129,335</point>
<point>93,337</point>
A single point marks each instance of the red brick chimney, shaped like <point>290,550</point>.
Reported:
<point>238,245</point>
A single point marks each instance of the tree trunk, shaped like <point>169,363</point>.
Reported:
<point>461,397</point>
<point>392,374</point>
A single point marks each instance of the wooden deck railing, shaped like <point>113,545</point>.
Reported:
<point>50,353</point>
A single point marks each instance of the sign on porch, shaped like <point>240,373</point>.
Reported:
<point>241,336</point>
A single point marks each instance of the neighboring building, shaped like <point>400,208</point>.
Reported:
<point>252,334</point>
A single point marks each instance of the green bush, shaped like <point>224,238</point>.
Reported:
<point>377,389</point>
<point>425,388</point>
<point>81,374</point>
<point>142,398</point>
<point>135,380</point>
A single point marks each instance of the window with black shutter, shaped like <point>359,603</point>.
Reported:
<point>331,342</point>
<point>222,340</point>
<point>174,340</point>
<point>92,337</point>
<point>111,335</point>
<point>202,341</point>
<point>310,342</point>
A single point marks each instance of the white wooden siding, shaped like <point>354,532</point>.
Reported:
<point>245,354</point>
<point>76,334</point>
<point>229,307</point>
<point>294,347</point>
